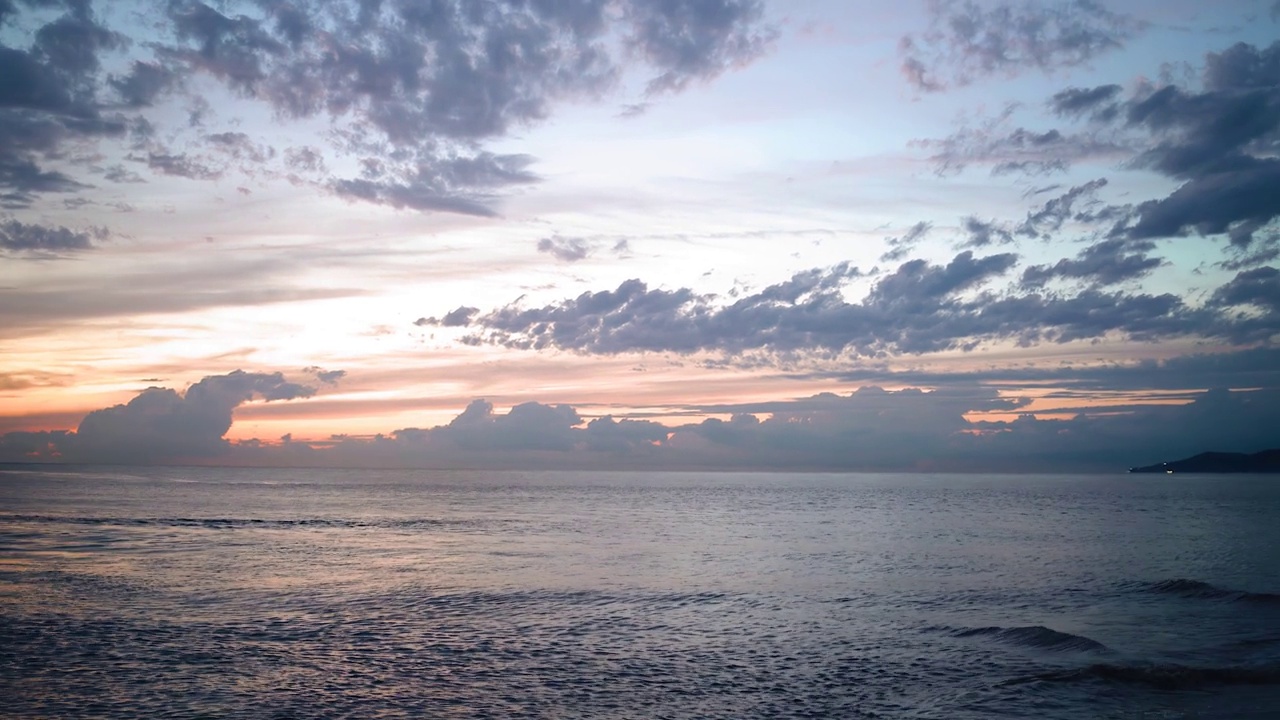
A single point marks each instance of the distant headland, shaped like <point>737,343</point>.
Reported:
<point>1267,461</point>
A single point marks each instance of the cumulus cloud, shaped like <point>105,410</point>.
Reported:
<point>160,423</point>
<point>966,42</point>
<point>867,429</point>
<point>528,426</point>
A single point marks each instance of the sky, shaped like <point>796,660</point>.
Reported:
<point>930,235</point>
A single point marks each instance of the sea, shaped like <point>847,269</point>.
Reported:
<point>268,593</point>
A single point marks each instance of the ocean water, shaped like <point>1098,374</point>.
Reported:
<point>183,592</point>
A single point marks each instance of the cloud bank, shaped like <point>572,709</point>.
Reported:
<point>867,429</point>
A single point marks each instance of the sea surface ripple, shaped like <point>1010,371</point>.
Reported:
<point>253,593</point>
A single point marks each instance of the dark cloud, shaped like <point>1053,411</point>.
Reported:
<point>528,426</point>
<point>918,308</point>
<point>867,429</point>
<point>692,40</point>
<point>456,184</point>
<point>1258,252</point>
<point>900,247</point>
<point>1259,287</point>
<point>1104,263</point>
<point>43,240</point>
<point>162,424</point>
<point>240,146</point>
<point>1221,141</point>
<point>1098,102</point>
<point>328,377</point>
<point>47,100</point>
<point>966,41</point>
<point>1050,216</point>
<point>1237,201</point>
<point>460,317</point>
<point>1218,141</point>
<point>71,44</point>
<point>145,82</point>
<point>565,249</point>
<point>182,165</point>
<point>421,86</point>
<point>607,435</point>
<point>21,180</point>
<point>981,233</point>
<point>1257,367</point>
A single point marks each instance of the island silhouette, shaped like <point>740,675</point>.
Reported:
<point>1266,461</point>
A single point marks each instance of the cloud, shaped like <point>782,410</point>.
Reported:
<point>459,317</point>
<point>422,87</point>
<point>565,249</point>
<point>867,429</point>
<point>528,426</point>
<point>47,100</point>
<point>1217,141</point>
<point>1104,263</point>
<point>1259,287</point>
<point>160,423</point>
<point>1050,216</point>
<point>900,246</point>
<point>44,241</point>
<point>456,184</point>
<point>1237,201</point>
<point>696,40</point>
<point>1098,102</point>
<point>184,284</point>
<point>1257,367</point>
<point>573,249</point>
<point>966,42</point>
<point>918,308</point>
<point>182,165</point>
<point>1010,149</point>
<point>327,377</point>
<point>145,82</point>
<point>1257,252</point>
<point>981,233</point>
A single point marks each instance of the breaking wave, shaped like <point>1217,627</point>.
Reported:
<point>1035,636</point>
<point>1203,590</point>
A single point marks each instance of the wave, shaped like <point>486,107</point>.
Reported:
<point>1161,677</point>
<point>1204,591</point>
<point>1035,636</point>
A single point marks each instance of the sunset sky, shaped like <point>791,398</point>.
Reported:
<point>928,234</point>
